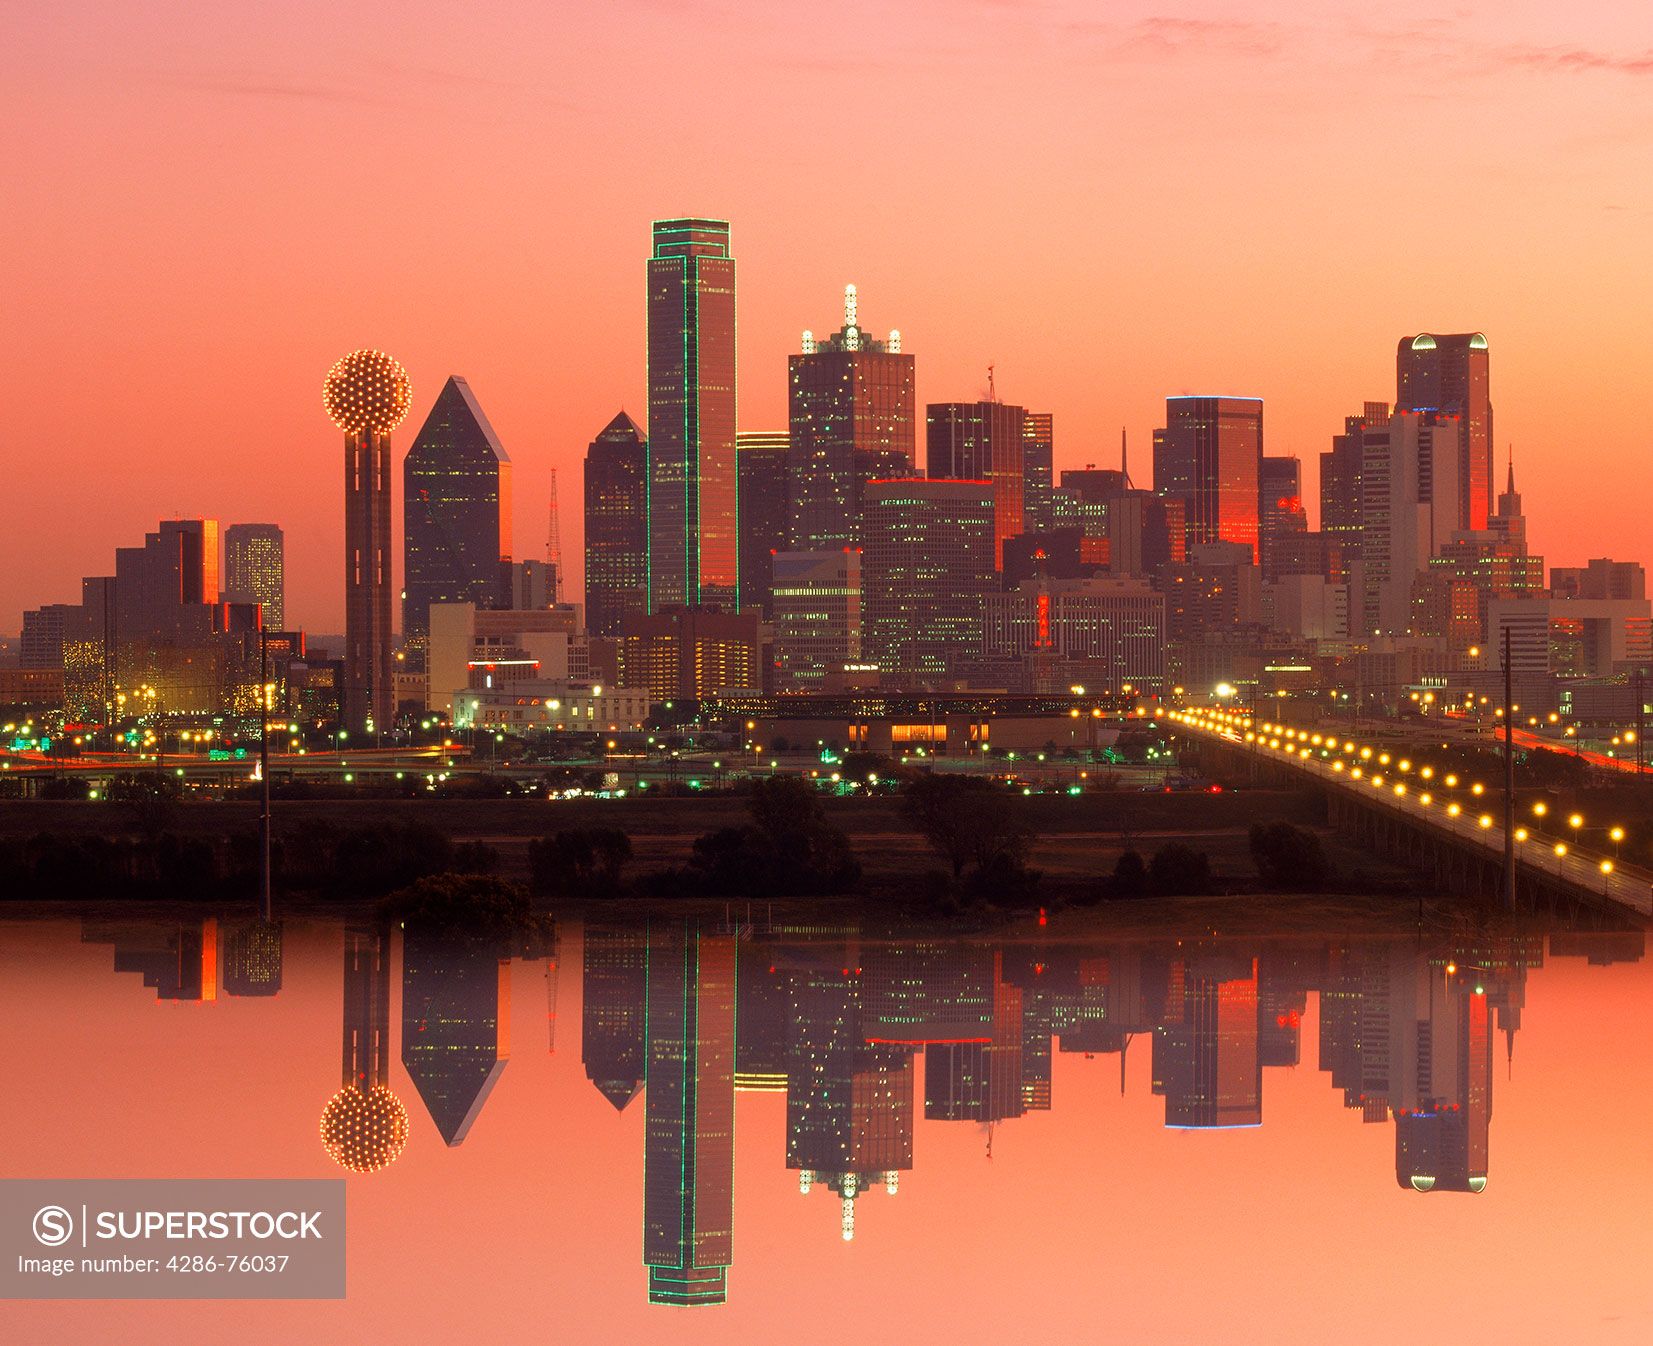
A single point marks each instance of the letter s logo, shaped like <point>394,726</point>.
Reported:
<point>53,1226</point>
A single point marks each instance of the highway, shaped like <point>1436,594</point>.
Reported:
<point>1414,791</point>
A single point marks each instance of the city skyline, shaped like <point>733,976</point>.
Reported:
<point>1156,300</point>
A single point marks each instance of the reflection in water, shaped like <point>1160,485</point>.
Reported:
<point>364,1126</point>
<point>850,1025</point>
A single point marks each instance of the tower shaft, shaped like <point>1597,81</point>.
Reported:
<point>368,692</point>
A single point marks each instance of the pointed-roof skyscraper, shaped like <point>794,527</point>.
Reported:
<point>456,514</point>
<point>616,526</point>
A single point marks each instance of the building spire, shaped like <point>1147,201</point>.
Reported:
<point>1511,487</point>
<point>1124,461</point>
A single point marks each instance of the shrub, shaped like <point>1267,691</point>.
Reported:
<point>1130,876</point>
<point>1179,871</point>
<point>1289,857</point>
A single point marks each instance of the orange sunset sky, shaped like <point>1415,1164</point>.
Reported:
<point>206,204</point>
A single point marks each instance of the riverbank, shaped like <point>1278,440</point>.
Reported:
<point>1077,838</point>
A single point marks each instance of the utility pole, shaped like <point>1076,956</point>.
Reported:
<point>1641,724</point>
<point>1509,777</point>
<point>264,764</point>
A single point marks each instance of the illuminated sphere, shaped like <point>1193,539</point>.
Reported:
<point>364,1132</point>
<point>366,390</point>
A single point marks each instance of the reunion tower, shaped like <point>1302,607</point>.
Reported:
<point>366,396</point>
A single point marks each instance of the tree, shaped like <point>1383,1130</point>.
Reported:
<point>1130,876</point>
<point>966,821</point>
<point>382,859</point>
<point>1289,857</point>
<point>785,805</point>
<point>1179,871</point>
<point>470,906</point>
<point>580,862</point>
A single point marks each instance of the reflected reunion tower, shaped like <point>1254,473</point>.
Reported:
<point>366,396</point>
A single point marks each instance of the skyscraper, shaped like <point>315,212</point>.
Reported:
<point>817,615</point>
<point>1038,468</point>
<point>168,585</point>
<point>1410,498</point>
<point>760,456</point>
<point>616,526</point>
<point>255,569</point>
<point>1209,455</point>
<point>1451,374</point>
<point>851,413</point>
<point>981,441</point>
<point>1340,516</point>
<point>693,543</point>
<point>456,515</point>
<point>927,562</point>
<point>689,1115</point>
<point>1280,508</point>
<point>366,395</point>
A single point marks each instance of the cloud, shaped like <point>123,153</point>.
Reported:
<point>1169,36</point>
<point>266,87</point>
<point>1575,60</point>
<point>1175,35</point>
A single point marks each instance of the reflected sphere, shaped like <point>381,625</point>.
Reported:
<point>366,390</point>
<point>364,1132</point>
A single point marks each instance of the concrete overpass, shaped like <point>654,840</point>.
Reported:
<point>1452,829</point>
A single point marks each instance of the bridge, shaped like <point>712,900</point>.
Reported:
<point>1448,827</point>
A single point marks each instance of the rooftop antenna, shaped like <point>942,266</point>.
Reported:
<point>1124,462</point>
<point>992,392</point>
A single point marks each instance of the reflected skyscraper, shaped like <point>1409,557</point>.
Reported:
<point>980,1080</point>
<point>456,515</point>
<point>456,1025</point>
<point>364,1126</point>
<point>1205,1059</point>
<point>689,1159</point>
<point>252,959</point>
<point>849,1103</point>
<point>693,543</point>
<point>615,963</point>
<point>178,961</point>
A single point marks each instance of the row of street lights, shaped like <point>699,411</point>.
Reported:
<point>1332,749</point>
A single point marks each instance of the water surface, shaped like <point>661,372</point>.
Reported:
<point>687,1130</point>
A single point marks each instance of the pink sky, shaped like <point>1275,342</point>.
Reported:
<point>207,204</point>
